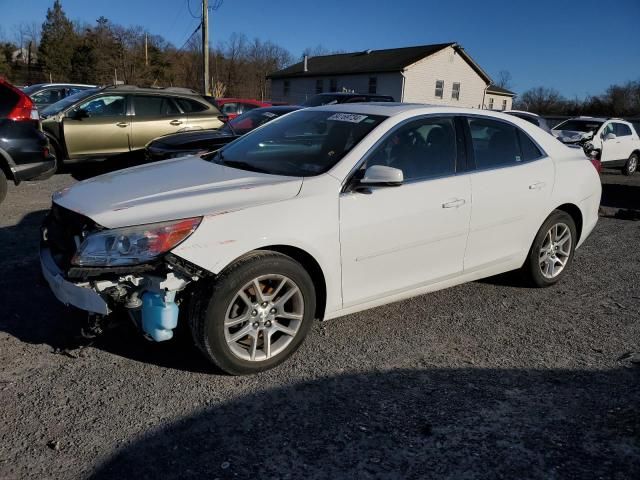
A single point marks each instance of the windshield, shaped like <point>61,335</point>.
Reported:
<point>252,119</point>
<point>31,89</point>
<point>304,143</point>
<point>66,102</point>
<point>579,125</point>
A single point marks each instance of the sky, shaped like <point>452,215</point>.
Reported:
<point>578,47</point>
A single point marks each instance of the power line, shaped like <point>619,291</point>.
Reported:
<point>190,12</point>
<point>189,38</point>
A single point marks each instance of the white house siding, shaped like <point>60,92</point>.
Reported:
<point>447,65</point>
<point>302,88</point>
<point>497,101</point>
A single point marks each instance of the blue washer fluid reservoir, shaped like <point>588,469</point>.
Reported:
<point>159,315</point>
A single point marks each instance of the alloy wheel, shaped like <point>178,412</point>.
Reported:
<point>263,317</point>
<point>555,251</point>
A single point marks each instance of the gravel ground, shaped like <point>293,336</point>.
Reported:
<point>485,380</point>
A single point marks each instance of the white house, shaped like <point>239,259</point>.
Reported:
<point>436,74</point>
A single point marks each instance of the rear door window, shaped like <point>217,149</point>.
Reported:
<point>500,144</point>
<point>621,130</point>
<point>154,106</point>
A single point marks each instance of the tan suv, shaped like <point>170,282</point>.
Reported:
<point>99,123</point>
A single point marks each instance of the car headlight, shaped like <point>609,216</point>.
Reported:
<point>133,245</point>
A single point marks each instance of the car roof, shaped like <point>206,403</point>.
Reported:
<point>521,112</point>
<point>277,108</point>
<point>350,94</point>
<point>391,109</point>
<point>590,119</point>
<point>44,85</point>
<point>236,99</point>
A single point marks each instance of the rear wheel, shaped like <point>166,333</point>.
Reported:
<point>552,250</point>
<point>631,166</point>
<point>3,186</point>
<point>260,310</point>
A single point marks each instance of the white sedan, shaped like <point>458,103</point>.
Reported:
<point>321,213</point>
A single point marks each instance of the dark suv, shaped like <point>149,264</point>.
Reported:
<point>24,149</point>
<point>340,97</point>
<point>104,122</point>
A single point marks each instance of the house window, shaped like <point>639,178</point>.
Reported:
<point>285,88</point>
<point>373,84</point>
<point>491,104</point>
<point>504,104</point>
<point>319,85</point>
<point>439,88</point>
<point>455,92</point>
<point>333,85</point>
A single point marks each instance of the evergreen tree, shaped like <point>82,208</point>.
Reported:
<point>57,43</point>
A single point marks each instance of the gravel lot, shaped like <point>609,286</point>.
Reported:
<point>486,380</point>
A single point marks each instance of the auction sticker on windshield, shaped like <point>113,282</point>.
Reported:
<point>269,114</point>
<point>347,117</point>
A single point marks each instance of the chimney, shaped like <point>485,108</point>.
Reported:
<point>305,67</point>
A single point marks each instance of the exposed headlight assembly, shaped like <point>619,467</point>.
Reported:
<point>133,245</point>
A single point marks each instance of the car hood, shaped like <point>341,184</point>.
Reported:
<point>173,189</point>
<point>571,136</point>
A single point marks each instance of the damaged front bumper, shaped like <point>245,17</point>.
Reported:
<point>80,295</point>
<point>150,298</point>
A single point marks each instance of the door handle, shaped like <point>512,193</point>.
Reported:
<point>176,122</point>
<point>537,186</point>
<point>122,124</point>
<point>458,202</point>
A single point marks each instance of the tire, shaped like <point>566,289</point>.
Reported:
<point>536,269</point>
<point>255,321</point>
<point>631,166</point>
<point>4,186</point>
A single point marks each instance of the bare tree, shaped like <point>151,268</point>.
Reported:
<point>504,79</point>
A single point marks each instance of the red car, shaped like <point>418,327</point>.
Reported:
<point>232,107</point>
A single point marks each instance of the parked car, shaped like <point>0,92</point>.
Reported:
<point>325,212</point>
<point>45,94</point>
<point>232,107</point>
<point>203,141</point>
<point>341,97</point>
<point>537,120</point>
<point>24,149</point>
<point>615,139</point>
<point>100,123</point>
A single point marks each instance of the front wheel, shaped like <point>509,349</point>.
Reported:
<point>631,166</point>
<point>552,250</point>
<point>260,311</point>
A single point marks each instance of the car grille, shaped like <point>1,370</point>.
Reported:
<point>63,232</point>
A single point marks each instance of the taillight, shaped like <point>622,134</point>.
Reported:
<point>25,109</point>
<point>45,152</point>
<point>597,164</point>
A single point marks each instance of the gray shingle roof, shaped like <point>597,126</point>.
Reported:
<point>499,90</point>
<point>372,61</point>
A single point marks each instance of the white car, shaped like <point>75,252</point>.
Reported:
<point>321,213</point>
<point>616,140</point>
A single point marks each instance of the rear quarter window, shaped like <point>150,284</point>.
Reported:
<point>189,105</point>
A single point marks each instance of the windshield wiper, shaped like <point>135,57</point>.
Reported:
<point>237,164</point>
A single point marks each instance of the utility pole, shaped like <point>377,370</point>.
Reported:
<point>205,47</point>
<point>146,51</point>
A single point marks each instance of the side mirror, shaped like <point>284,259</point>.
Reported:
<point>382,176</point>
<point>610,136</point>
<point>78,114</point>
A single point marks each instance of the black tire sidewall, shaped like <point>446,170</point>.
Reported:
<point>4,186</point>
<point>533,267</point>
<point>625,169</point>
<point>213,341</point>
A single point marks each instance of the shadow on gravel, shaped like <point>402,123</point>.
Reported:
<point>466,423</point>
<point>83,171</point>
<point>33,315</point>
<point>622,196</point>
